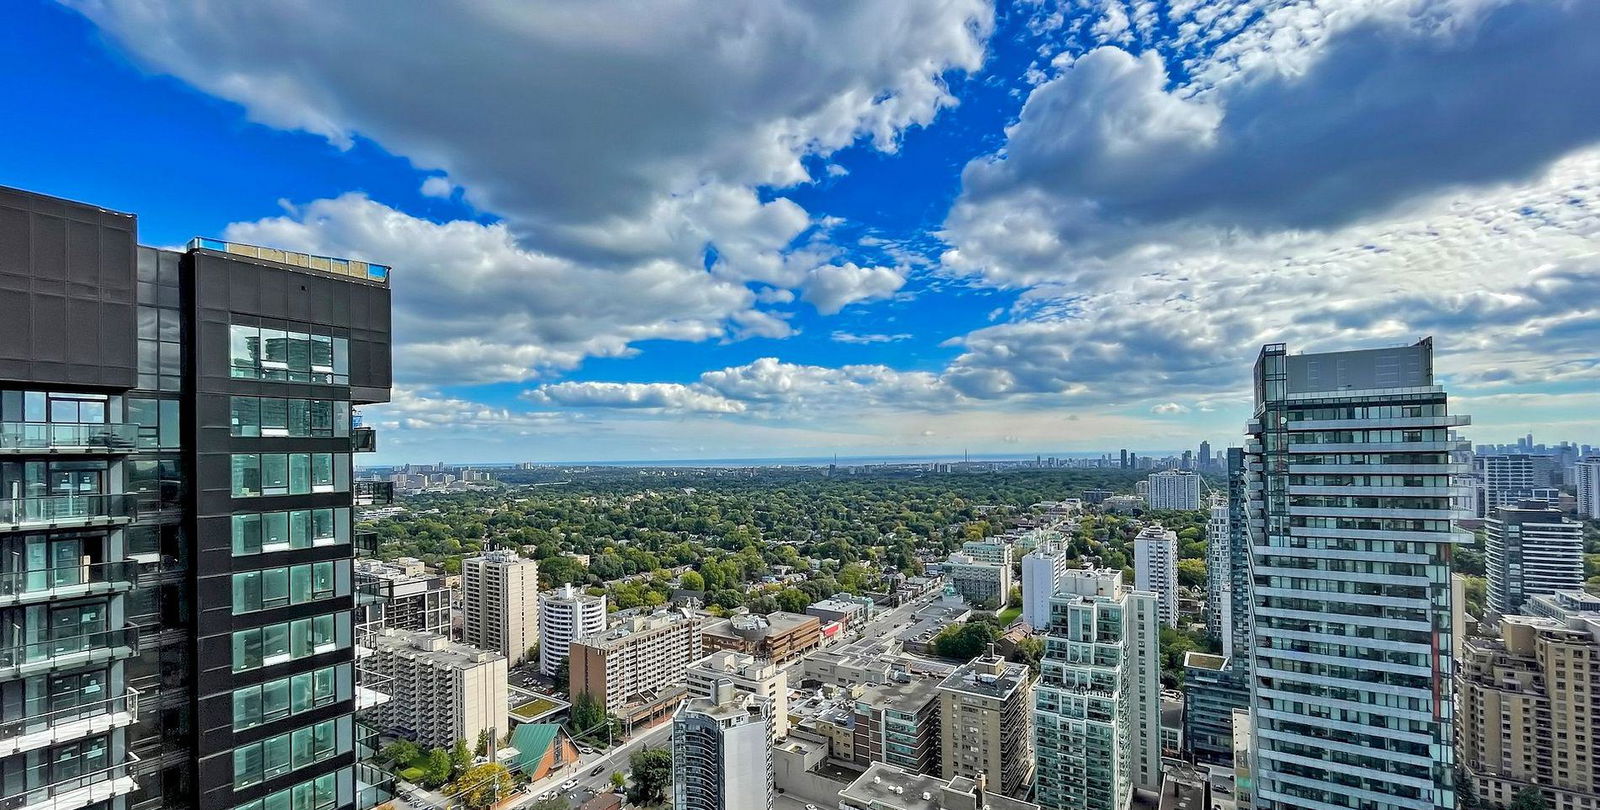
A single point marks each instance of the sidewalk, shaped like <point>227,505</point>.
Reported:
<point>579,768</point>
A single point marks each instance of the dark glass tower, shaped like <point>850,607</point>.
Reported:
<point>176,496</point>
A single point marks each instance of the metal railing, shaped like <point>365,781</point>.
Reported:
<point>97,786</point>
<point>354,268</point>
<point>49,509</point>
<point>51,436</point>
<point>14,655</point>
<point>373,493</point>
<point>127,702</point>
<point>18,585</point>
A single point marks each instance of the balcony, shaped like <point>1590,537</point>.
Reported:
<point>62,725</point>
<point>65,511</point>
<point>78,791</point>
<point>363,440</point>
<point>373,493</point>
<point>17,660</point>
<point>366,543</point>
<point>70,582</point>
<point>27,438</point>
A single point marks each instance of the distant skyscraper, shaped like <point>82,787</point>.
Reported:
<point>1174,489</point>
<point>1511,479</point>
<point>1124,459</point>
<point>1351,524</point>
<point>1155,567</point>
<point>1586,479</point>
<point>1532,549</point>
<point>1205,455</point>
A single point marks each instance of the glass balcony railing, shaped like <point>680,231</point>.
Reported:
<point>52,510</point>
<point>60,725</point>
<point>72,580</point>
<point>78,790</point>
<point>363,440</point>
<point>62,649</point>
<point>354,268</point>
<point>373,493</point>
<point>42,437</point>
<point>366,543</point>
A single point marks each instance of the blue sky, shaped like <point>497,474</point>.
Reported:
<point>633,231</point>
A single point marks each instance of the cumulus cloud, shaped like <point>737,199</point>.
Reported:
<point>841,336</point>
<point>831,288</point>
<point>666,396</point>
<point>1113,165</point>
<point>437,185</point>
<point>1168,409</point>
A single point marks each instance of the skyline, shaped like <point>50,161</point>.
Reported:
<point>1038,225</point>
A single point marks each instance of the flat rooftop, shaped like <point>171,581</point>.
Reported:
<point>332,265</point>
<point>976,679</point>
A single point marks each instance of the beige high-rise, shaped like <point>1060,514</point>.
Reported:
<point>1529,708</point>
<point>438,691</point>
<point>986,729</point>
<point>500,598</point>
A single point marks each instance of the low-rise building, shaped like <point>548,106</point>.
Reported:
<point>851,611</point>
<point>779,636</point>
<point>439,691</point>
<point>885,787</point>
<point>1123,504</point>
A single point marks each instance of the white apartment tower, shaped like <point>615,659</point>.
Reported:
<point>1097,705</point>
<point>1155,568</point>
<point>1174,489</point>
<point>1351,528</point>
<point>500,599</point>
<point>566,614</point>
<point>1533,549</point>
<point>720,754</point>
<point>1042,572</point>
<point>1219,570</point>
<point>1586,475</point>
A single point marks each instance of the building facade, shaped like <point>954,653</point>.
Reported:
<point>1510,478</point>
<point>720,754</point>
<point>500,603</point>
<point>1527,704</point>
<point>1532,549</point>
<point>402,595</point>
<point>1097,709</point>
<point>756,676</point>
<point>898,723</point>
<point>566,614</point>
<point>1586,481</point>
<point>779,636</point>
<point>980,573</point>
<point>439,691</point>
<point>635,660</point>
<point>176,488</point>
<point>1042,572</point>
<point>1351,522</point>
<point>1174,489</point>
<point>985,724</point>
<point>1155,568</point>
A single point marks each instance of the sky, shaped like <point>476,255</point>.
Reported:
<point>776,228</point>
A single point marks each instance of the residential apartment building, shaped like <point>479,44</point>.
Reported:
<point>1174,489</point>
<point>779,636</point>
<point>720,754</point>
<point>756,676</point>
<point>984,724</point>
<point>566,614</point>
<point>636,661</point>
<point>1351,524</point>
<point>500,603</point>
<point>402,595</point>
<point>1097,708</point>
<point>1042,572</point>
<point>1528,703</point>
<point>1513,477</point>
<point>1219,584</point>
<point>1532,549</point>
<point>1586,480</point>
<point>898,723</point>
<point>980,573</point>
<point>1155,568</point>
<point>438,691</point>
<point>176,493</point>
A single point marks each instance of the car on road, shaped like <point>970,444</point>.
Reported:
<point>569,784</point>
<point>597,770</point>
<point>585,750</point>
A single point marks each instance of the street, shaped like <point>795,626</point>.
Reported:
<point>590,783</point>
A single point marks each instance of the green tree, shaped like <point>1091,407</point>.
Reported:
<point>964,642</point>
<point>482,748</point>
<point>563,675</point>
<point>652,774</point>
<point>1191,573</point>
<point>401,752</point>
<point>617,779</point>
<point>1477,591</point>
<point>551,803</point>
<point>483,785</point>
<point>692,581</point>
<point>460,758</point>
<point>1529,798</point>
<point>587,714</point>
<point>793,600</point>
<point>436,768</point>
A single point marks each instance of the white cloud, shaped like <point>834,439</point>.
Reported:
<point>831,288</point>
<point>1169,409</point>
<point>437,185</point>
<point>665,396</point>
<point>850,337</point>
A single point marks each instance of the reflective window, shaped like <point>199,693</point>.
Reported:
<point>282,531</point>
<point>257,474</point>
<point>269,353</point>
<point>271,588</point>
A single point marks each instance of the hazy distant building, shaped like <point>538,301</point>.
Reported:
<point>1174,489</point>
<point>1155,568</point>
<point>1514,477</point>
<point>500,603</point>
<point>1532,549</point>
<point>981,573</point>
<point>1586,480</point>
<point>566,614</point>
